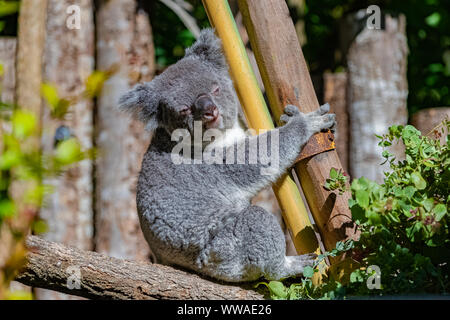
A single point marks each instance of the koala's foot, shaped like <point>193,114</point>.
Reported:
<point>292,266</point>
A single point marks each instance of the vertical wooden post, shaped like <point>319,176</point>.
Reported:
<point>378,91</point>
<point>8,49</point>
<point>31,37</point>
<point>124,43</point>
<point>68,61</point>
<point>287,81</point>
<point>335,93</point>
<point>258,117</point>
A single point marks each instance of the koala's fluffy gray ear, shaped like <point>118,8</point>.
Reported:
<point>142,102</point>
<point>209,48</point>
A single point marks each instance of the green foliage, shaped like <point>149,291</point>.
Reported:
<point>404,222</point>
<point>404,225</point>
<point>23,169</point>
<point>337,180</point>
<point>428,33</point>
<point>8,17</point>
<point>171,36</point>
<point>288,290</point>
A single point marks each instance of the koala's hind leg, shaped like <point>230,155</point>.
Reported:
<point>253,245</point>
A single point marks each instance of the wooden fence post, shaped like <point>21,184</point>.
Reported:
<point>124,43</point>
<point>287,81</point>
<point>30,49</point>
<point>8,50</point>
<point>378,91</point>
<point>335,93</point>
<point>68,61</point>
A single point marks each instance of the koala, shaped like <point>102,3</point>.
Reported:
<point>199,216</point>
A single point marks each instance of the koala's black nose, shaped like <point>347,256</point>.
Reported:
<point>207,108</point>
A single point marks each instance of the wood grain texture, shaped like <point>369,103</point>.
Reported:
<point>335,93</point>
<point>378,91</point>
<point>8,49</point>
<point>124,43</point>
<point>30,49</point>
<point>50,265</point>
<point>287,81</point>
<point>68,61</point>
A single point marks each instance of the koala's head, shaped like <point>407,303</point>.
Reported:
<point>196,88</point>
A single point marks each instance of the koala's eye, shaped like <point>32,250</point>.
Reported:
<point>185,110</point>
<point>216,90</point>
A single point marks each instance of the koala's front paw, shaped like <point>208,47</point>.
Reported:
<point>321,120</point>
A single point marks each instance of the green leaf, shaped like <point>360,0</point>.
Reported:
<point>362,197</point>
<point>409,191</point>
<point>277,289</point>
<point>9,7</point>
<point>374,217</point>
<point>428,204</point>
<point>358,214</point>
<point>418,181</point>
<point>308,272</point>
<point>7,208</point>
<point>94,83</point>
<point>333,173</point>
<point>68,151</point>
<point>50,93</point>
<point>24,123</point>
<point>433,19</point>
<point>440,211</point>
<point>9,158</point>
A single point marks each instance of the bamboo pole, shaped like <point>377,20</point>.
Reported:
<point>287,81</point>
<point>258,117</point>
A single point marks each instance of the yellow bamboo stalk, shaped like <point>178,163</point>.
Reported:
<point>258,117</point>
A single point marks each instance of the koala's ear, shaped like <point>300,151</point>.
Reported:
<point>142,102</point>
<point>209,48</point>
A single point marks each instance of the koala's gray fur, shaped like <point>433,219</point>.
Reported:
<point>199,216</point>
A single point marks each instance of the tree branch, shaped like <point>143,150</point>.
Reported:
<point>54,266</point>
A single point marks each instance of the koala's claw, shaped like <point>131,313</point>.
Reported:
<point>329,121</point>
<point>291,110</point>
<point>323,109</point>
<point>284,118</point>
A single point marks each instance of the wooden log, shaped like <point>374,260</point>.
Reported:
<point>335,93</point>
<point>287,81</point>
<point>124,43</point>
<point>426,120</point>
<point>96,276</point>
<point>68,61</point>
<point>378,91</point>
